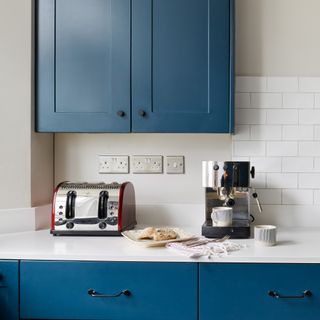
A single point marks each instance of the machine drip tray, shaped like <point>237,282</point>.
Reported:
<point>239,230</point>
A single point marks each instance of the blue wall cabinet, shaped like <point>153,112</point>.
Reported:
<point>9,286</point>
<point>139,66</point>
<point>182,65</point>
<point>61,290</point>
<point>83,65</point>
<point>249,291</point>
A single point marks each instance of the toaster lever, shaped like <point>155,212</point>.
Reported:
<point>70,206</point>
<point>103,205</point>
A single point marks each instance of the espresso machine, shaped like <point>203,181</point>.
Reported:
<point>227,184</point>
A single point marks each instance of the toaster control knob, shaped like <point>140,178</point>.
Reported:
<point>70,225</point>
<point>102,225</point>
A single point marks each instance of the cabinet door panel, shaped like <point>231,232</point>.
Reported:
<point>240,291</point>
<point>83,65</point>
<point>59,290</point>
<point>181,65</point>
<point>9,308</point>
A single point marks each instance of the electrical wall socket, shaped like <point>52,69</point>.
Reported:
<point>147,164</point>
<point>113,164</point>
<point>175,164</point>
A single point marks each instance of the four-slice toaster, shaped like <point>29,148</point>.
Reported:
<point>93,208</point>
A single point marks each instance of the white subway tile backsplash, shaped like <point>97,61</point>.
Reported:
<point>259,180</point>
<point>268,196</point>
<point>317,164</point>
<point>266,100</point>
<point>317,197</point>
<point>242,100</point>
<point>298,100</point>
<point>309,84</point>
<point>284,116</point>
<point>309,180</point>
<point>317,100</point>
<point>282,84</point>
<point>282,180</point>
<point>249,148</point>
<point>269,164</point>
<point>297,196</point>
<point>278,148</point>
<point>251,84</point>
<point>297,132</point>
<point>250,116</point>
<point>266,132</point>
<point>309,116</point>
<point>242,132</point>
<point>309,149</point>
<point>297,164</point>
<point>316,132</point>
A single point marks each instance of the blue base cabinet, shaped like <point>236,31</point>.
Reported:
<point>259,291</point>
<point>134,66</point>
<point>63,290</point>
<point>9,290</point>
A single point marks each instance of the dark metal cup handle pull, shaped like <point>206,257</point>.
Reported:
<point>275,294</point>
<point>93,293</point>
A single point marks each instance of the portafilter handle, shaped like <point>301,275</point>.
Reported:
<point>255,196</point>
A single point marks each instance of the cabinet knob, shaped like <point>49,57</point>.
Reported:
<point>142,113</point>
<point>121,113</point>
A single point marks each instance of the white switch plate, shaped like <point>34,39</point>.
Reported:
<point>113,164</point>
<point>147,164</point>
<point>175,164</point>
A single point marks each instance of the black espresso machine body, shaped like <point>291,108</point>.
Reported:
<point>227,184</point>
<point>93,209</point>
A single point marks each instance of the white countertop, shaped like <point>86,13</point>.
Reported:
<point>298,245</point>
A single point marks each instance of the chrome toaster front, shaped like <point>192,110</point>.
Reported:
<point>93,208</point>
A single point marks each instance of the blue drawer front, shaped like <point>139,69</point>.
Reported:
<point>240,291</point>
<point>9,296</point>
<point>59,290</point>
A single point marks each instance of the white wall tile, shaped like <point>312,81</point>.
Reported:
<point>309,84</point>
<point>282,180</point>
<point>297,196</point>
<point>309,180</point>
<point>309,116</point>
<point>278,148</point>
<point>309,149</point>
<point>317,133</point>
<point>242,100</point>
<point>266,132</point>
<point>284,116</point>
<point>251,84</point>
<point>317,197</point>
<point>297,164</point>
<point>297,132</point>
<point>269,164</point>
<point>317,100</point>
<point>259,180</point>
<point>266,100</point>
<point>317,164</point>
<point>242,132</point>
<point>268,196</point>
<point>250,116</point>
<point>298,100</point>
<point>249,148</point>
<point>282,84</point>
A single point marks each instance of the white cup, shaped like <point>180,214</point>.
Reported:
<point>265,235</point>
<point>221,216</point>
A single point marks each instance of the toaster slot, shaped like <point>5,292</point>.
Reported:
<point>103,205</point>
<point>70,204</point>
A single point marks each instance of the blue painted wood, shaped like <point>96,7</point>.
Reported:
<point>181,72</point>
<point>240,291</point>
<point>83,65</point>
<point>58,290</point>
<point>9,290</point>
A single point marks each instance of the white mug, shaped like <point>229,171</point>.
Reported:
<point>265,235</point>
<point>221,216</point>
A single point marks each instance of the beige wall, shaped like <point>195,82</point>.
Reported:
<point>26,165</point>
<point>278,37</point>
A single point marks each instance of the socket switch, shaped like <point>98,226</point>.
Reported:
<point>113,164</point>
<point>175,164</point>
<point>147,164</point>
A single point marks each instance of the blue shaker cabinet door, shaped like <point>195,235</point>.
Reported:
<point>249,291</point>
<point>83,66</point>
<point>182,65</point>
<point>9,296</point>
